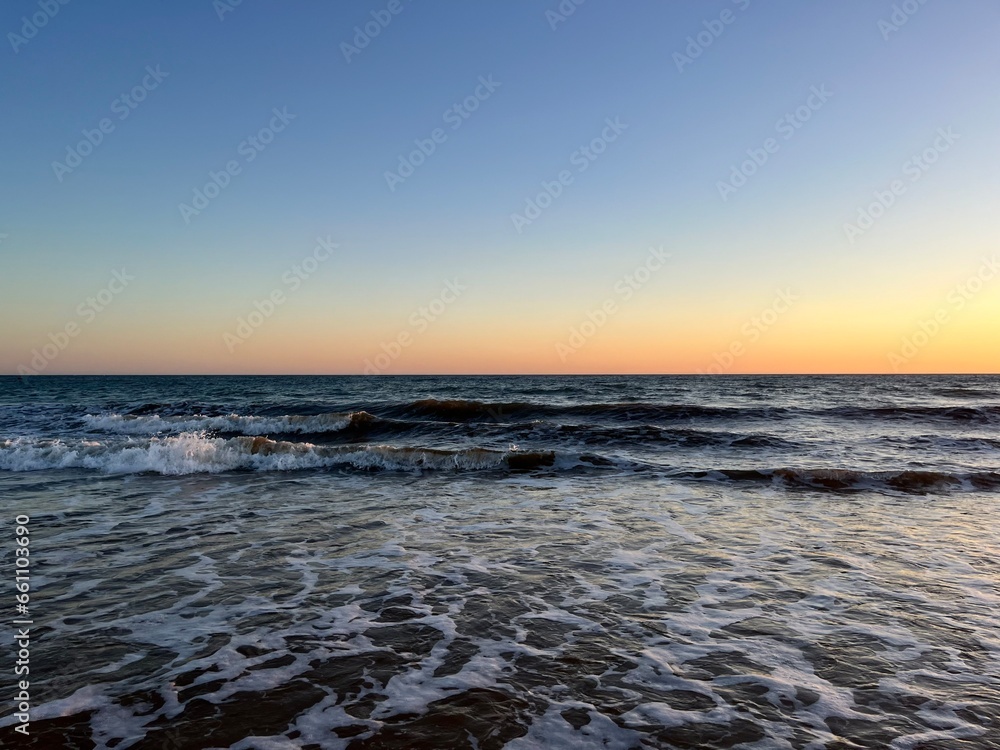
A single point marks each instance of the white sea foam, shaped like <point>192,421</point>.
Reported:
<point>192,453</point>
<point>551,730</point>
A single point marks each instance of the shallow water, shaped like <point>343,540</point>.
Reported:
<point>508,562</point>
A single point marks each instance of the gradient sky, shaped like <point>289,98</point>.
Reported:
<point>655,186</point>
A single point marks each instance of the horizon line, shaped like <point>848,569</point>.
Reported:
<point>500,375</point>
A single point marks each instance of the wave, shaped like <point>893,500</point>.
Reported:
<point>944,442</point>
<point>156,418</point>
<point>688,438</point>
<point>459,410</point>
<point>908,481</point>
<point>340,427</point>
<point>964,392</point>
<point>154,424</point>
<point>191,453</point>
<point>362,425</point>
<point>154,408</point>
<point>946,413</point>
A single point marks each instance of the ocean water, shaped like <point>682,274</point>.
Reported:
<point>505,562</point>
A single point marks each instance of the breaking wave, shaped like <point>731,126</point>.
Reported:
<point>191,453</point>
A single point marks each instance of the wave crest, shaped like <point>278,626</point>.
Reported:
<point>154,424</point>
<point>192,453</point>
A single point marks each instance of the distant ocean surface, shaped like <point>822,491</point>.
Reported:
<point>506,562</point>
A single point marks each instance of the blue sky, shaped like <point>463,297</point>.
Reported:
<point>324,174</point>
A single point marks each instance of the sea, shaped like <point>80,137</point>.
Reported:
<point>501,562</point>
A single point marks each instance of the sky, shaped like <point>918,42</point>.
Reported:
<point>404,186</point>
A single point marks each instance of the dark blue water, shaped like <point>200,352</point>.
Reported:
<point>506,562</point>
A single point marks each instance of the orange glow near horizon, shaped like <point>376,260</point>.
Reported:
<point>803,340</point>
